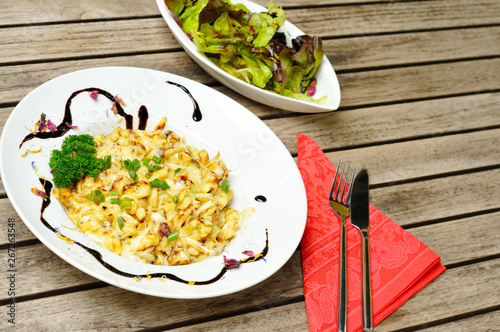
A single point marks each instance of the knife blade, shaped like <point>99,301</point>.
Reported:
<point>359,211</point>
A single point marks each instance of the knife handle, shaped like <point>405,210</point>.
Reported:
<point>342,322</point>
<point>367,289</point>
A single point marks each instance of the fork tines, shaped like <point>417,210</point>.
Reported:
<point>340,183</point>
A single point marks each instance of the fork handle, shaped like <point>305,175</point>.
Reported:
<point>366,281</point>
<point>342,279</point>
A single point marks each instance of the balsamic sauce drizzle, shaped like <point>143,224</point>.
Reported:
<point>67,120</point>
<point>64,127</point>
<point>47,185</point>
<point>261,198</point>
<point>196,112</point>
<point>143,117</point>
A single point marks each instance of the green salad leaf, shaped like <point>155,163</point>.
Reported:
<point>250,47</point>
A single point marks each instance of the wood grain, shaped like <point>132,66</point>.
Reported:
<point>478,291</point>
<point>405,49</point>
<point>27,12</point>
<point>474,242</point>
<point>89,39</point>
<point>431,157</point>
<point>287,318</point>
<point>487,322</point>
<point>452,196</point>
<point>107,38</point>
<point>414,83</point>
<point>396,16</point>
<point>455,288</point>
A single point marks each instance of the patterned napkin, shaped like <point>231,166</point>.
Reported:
<point>401,265</point>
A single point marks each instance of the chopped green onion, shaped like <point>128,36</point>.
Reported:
<point>157,159</point>
<point>208,222</point>
<point>136,164</point>
<point>91,196</point>
<point>153,168</point>
<point>99,195</point>
<point>133,175</point>
<point>148,174</point>
<point>172,236</point>
<point>115,200</point>
<point>120,222</point>
<point>177,170</point>
<point>164,185</point>
<point>107,162</point>
<point>126,163</point>
<point>126,203</point>
<point>145,161</point>
<point>114,193</point>
<point>175,198</point>
<point>155,183</point>
<point>224,186</point>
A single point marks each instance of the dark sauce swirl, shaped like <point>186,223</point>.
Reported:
<point>261,198</point>
<point>67,120</point>
<point>196,112</point>
<point>143,117</point>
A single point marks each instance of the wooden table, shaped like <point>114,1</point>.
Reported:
<point>420,109</point>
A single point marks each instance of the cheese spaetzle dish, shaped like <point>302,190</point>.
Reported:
<point>157,200</point>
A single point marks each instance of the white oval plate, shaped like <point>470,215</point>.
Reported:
<point>260,163</point>
<point>327,82</point>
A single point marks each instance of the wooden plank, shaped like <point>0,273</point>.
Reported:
<point>37,262</point>
<point>22,232</point>
<point>474,285</point>
<point>478,291</point>
<point>4,115</point>
<point>152,35</point>
<point>395,17</point>
<point>472,235</point>
<point>385,124</point>
<point>413,83</point>
<point>423,201</point>
<point>423,158</point>
<point>69,41</point>
<point>412,48</point>
<point>26,12</point>
<point>484,322</point>
<point>287,318</point>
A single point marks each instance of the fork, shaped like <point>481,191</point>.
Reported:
<point>339,202</point>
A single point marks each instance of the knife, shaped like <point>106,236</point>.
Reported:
<point>360,219</point>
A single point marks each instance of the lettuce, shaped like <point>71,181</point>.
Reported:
<point>250,47</point>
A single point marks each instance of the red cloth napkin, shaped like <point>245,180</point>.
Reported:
<point>401,265</point>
